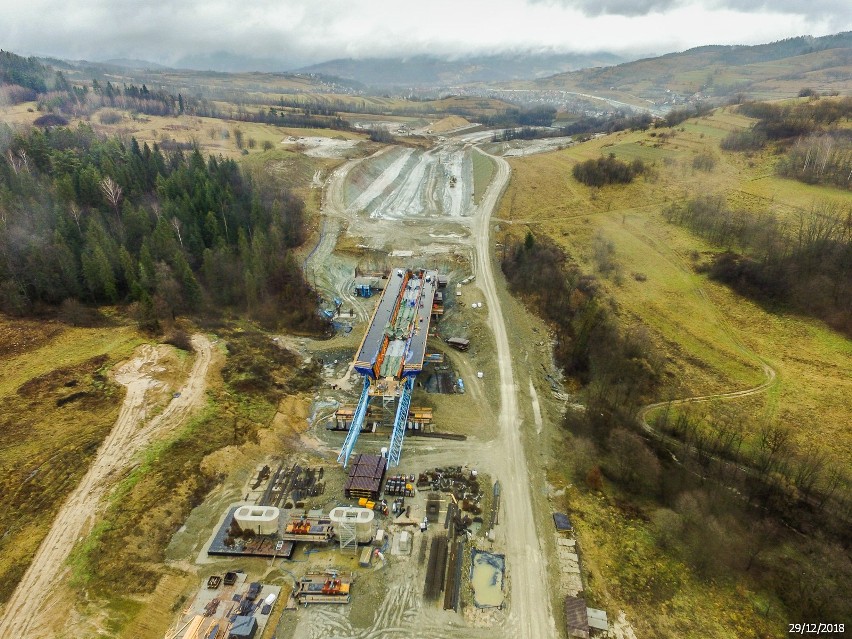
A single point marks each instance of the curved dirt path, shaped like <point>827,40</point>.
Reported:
<point>530,612</point>
<point>674,258</point>
<point>642,415</point>
<point>770,373</point>
<point>129,435</point>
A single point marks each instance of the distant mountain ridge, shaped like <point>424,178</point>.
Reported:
<point>716,70</point>
<point>433,71</point>
<point>134,64</point>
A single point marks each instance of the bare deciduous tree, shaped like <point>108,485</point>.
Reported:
<point>772,448</point>
<point>18,161</point>
<point>76,213</point>
<point>809,469</point>
<point>176,225</point>
<point>112,192</point>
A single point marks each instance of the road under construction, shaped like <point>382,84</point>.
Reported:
<point>392,353</point>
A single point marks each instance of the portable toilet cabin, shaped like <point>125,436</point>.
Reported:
<point>405,542</point>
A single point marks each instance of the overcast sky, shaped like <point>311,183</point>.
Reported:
<point>298,32</point>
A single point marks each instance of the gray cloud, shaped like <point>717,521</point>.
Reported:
<point>617,7</point>
<point>290,33</point>
<point>834,11</point>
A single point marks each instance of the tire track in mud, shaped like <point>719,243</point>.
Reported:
<point>125,440</point>
<point>406,197</point>
<point>457,199</point>
<point>401,615</point>
<point>419,184</point>
<point>378,186</point>
<point>431,189</point>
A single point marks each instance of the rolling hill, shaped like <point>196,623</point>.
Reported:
<point>775,70</point>
<point>433,71</point>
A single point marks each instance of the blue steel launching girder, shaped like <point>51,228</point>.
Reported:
<point>356,425</point>
<point>400,423</point>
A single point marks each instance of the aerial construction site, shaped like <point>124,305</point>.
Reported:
<point>420,522</point>
<point>393,499</point>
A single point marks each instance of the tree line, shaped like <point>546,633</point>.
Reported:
<point>589,344</point>
<point>27,73</point>
<point>804,264</point>
<point>813,148</point>
<point>27,79</point>
<point>533,116</point>
<point>98,221</point>
<point>620,120</point>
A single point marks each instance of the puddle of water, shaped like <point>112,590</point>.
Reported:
<point>486,578</point>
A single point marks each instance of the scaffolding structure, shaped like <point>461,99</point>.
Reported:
<point>348,535</point>
<point>356,426</point>
<point>392,353</point>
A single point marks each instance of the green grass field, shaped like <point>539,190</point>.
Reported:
<point>483,171</point>
<point>706,331</point>
<point>712,339</point>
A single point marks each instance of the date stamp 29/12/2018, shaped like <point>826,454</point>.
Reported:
<point>816,628</point>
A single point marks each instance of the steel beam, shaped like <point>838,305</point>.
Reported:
<point>400,423</point>
<point>356,425</point>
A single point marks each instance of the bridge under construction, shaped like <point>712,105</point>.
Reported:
<point>392,353</point>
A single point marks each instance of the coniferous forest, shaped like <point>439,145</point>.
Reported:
<point>89,221</point>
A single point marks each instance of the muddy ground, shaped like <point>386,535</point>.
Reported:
<point>409,207</point>
<point>404,207</point>
<point>130,435</point>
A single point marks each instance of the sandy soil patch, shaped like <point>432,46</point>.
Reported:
<point>22,615</point>
<point>320,147</point>
<point>518,148</point>
<point>450,123</point>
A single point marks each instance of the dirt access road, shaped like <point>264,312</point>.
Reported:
<point>387,176</point>
<point>530,612</point>
<point>130,435</point>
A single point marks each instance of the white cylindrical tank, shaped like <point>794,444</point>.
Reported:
<point>362,519</point>
<point>270,599</point>
<point>263,520</point>
<point>364,527</point>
